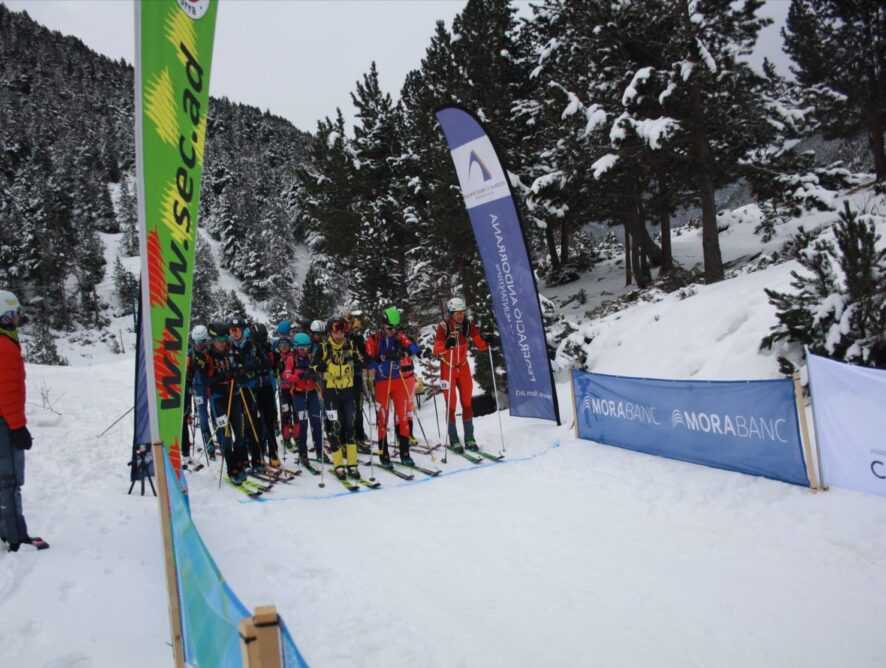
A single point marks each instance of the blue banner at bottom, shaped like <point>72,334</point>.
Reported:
<point>745,426</point>
<point>210,610</point>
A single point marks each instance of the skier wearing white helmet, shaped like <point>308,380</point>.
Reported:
<point>14,435</point>
<point>453,338</point>
<point>196,380</point>
<point>318,333</point>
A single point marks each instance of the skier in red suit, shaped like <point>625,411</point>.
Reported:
<point>454,336</point>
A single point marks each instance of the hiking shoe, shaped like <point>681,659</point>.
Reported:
<point>471,444</point>
<point>354,472</point>
<point>36,541</point>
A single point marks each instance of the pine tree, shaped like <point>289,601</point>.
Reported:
<point>715,98</point>
<point>317,302</point>
<point>838,309</point>
<point>840,51</point>
<point>126,288</point>
<point>90,270</point>
<point>127,217</point>
<point>203,293</point>
<point>41,347</point>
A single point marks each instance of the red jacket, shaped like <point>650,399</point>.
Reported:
<point>452,341</point>
<point>295,373</point>
<point>12,383</point>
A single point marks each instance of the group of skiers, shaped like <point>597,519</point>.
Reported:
<point>318,374</point>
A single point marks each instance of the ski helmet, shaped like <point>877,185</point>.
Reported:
<point>199,333</point>
<point>391,317</point>
<point>318,327</point>
<point>456,304</point>
<point>302,339</point>
<point>9,306</point>
<point>284,328</point>
<point>282,341</point>
<point>337,325</point>
<point>218,331</point>
<point>8,302</point>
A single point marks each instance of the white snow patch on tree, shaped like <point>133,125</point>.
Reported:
<point>631,93</point>
<point>604,164</point>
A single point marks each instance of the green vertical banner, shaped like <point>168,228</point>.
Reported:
<point>173,53</point>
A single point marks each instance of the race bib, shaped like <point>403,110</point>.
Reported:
<point>284,408</point>
<point>302,415</point>
<point>444,384</point>
<point>198,401</point>
<point>221,421</point>
<point>332,415</point>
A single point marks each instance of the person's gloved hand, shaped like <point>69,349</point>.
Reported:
<point>21,438</point>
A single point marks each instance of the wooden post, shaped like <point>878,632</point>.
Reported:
<point>574,406</point>
<point>804,426</point>
<point>175,619</point>
<point>261,645</point>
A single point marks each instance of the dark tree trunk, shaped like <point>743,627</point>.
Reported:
<point>628,275</point>
<point>552,249</point>
<point>640,265</point>
<point>875,139</point>
<point>650,249</point>
<point>713,262</point>
<point>667,258</point>
<point>564,242</point>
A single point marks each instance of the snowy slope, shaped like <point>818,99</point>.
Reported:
<point>569,553</point>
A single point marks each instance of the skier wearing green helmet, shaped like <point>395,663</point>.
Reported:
<point>390,352</point>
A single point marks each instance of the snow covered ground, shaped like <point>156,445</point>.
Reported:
<point>569,553</point>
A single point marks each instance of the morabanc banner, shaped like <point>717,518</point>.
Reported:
<point>496,224</point>
<point>750,426</point>
<point>173,53</point>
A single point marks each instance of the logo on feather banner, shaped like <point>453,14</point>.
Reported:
<point>196,9</point>
<point>480,174</point>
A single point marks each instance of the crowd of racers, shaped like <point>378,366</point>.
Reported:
<point>312,378</point>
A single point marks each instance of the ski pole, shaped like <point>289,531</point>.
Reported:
<point>320,454</point>
<point>497,409</point>
<point>371,449</point>
<point>115,422</point>
<point>436,413</point>
<point>417,418</point>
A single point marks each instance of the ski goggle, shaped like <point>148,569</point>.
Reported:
<point>303,349</point>
<point>220,339</point>
<point>390,328</point>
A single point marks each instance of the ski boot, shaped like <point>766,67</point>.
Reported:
<point>384,456</point>
<point>456,447</point>
<point>341,472</point>
<point>354,472</point>
<point>304,460</point>
<point>274,462</point>
<point>471,444</point>
<point>239,477</point>
<point>405,457</point>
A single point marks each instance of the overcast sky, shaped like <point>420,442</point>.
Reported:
<point>301,58</point>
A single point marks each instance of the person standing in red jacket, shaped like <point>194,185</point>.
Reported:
<point>14,435</point>
<point>453,338</point>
